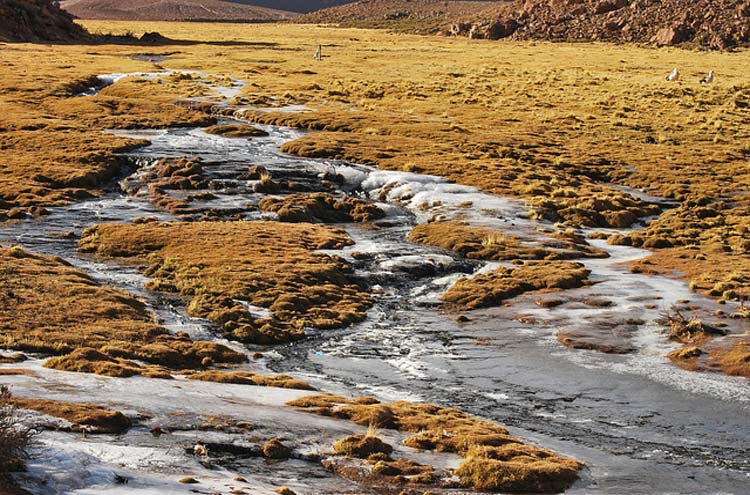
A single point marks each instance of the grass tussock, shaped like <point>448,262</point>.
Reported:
<point>488,290</point>
<point>487,244</point>
<point>517,470</point>
<point>494,460</point>
<point>89,417</point>
<point>249,378</point>
<point>734,359</point>
<point>275,449</point>
<point>321,207</point>
<point>169,174</point>
<point>236,131</point>
<point>49,307</point>
<point>730,356</point>
<point>361,446</point>
<point>223,266</point>
<point>687,330</point>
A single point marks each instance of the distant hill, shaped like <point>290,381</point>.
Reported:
<point>295,5</point>
<point>37,20</point>
<point>405,15</point>
<point>172,10</point>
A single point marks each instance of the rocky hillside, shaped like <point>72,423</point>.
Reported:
<point>36,20</point>
<point>172,10</point>
<point>712,24</point>
<point>404,15</point>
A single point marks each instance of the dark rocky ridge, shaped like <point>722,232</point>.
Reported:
<point>37,20</point>
<point>710,24</point>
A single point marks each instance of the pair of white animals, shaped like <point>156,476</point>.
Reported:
<point>675,75</point>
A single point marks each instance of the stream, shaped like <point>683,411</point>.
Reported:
<point>641,424</point>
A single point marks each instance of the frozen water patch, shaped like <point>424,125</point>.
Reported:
<point>110,79</point>
<point>432,198</point>
<point>255,311</point>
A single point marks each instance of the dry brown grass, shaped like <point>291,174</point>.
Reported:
<point>89,417</point>
<point>494,459</point>
<point>514,470</point>
<point>49,307</point>
<point>268,264</point>
<point>734,359</point>
<point>688,330</point>
<point>53,148</point>
<point>170,174</point>
<point>487,244</point>
<point>321,207</point>
<point>236,131</point>
<point>730,356</point>
<point>249,378</point>
<point>16,372</point>
<point>15,438</point>
<point>361,446</point>
<point>576,118</point>
<point>482,291</point>
<point>275,449</point>
<point>89,360</point>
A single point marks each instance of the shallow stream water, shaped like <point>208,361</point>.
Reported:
<point>639,423</point>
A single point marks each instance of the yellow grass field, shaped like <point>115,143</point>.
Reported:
<point>559,125</point>
<point>551,123</point>
<point>572,129</point>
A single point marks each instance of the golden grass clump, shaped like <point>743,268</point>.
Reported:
<point>687,330</point>
<point>47,306</point>
<point>249,378</point>
<point>487,244</point>
<point>734,359</point>
<point>730,355</point>
<point>88,360</point>
<point>517,469</point>
<point>89,417</point>
<point>321,207</point>
<point>494,459</point>
<point>236,131</point>
<point>482,291</point>
<point>169,174</point>
<point>476,242</point>
<point>222,266</point>
<point>361,446</point>
<point>275,449</point>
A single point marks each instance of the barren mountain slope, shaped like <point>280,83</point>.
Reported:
<point>295,5</point>
<point>406,15</point>
<point>172,10</point>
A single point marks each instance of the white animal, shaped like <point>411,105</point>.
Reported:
<point>200,449</point>
<point>708,78</point>
<point>318,53</point>
<point>674,75</point>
